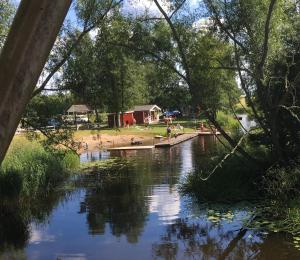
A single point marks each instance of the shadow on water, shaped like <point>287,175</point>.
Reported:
<point>128,206</point>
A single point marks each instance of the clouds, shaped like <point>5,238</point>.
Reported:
<point>137,8</point>
<point>140,7</point>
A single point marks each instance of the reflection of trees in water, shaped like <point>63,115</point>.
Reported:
<point>203,241</point>
<point>115,196</point>
<point>13,227</point>
<point>120,197</point>
<point>206,240</point>
<point>121,204</point>
<point>17,214</point>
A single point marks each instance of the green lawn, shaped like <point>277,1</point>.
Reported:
<point>152,130</point>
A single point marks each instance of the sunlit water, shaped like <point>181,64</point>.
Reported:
<point>140,214</point>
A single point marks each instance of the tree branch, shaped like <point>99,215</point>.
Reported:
<point>85,31</point>
<point>145,51</point>
<point>177,9</point>
<point>178,41</point>
<point>222,27</point>
<point>266,35</point>
<point>220,164</point>
<point>248,95</point>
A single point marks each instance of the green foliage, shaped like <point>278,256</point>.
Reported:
<point>29,167</point>
<point>210,84</point>
<point>266,37</point>
<point>44,107</point>
<point>231,182</point>
<point>282,184</point>
<point>229,123</point>
<point>7,11</point>
<point>165,88</point>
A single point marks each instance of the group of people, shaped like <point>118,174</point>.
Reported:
<point>178,128</point>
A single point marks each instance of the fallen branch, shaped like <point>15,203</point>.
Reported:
<point>219,165</point>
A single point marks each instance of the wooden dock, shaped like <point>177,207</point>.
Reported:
<point>173,141</point>
<point>209,133</point>
<point>179,139</point>
<point>133,147</point>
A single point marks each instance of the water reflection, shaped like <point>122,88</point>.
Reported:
<point>94,156</point>
<point>134,211</point>
<point>118,203</point>
<point>165,202</point>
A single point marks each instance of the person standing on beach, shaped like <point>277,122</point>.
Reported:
<point>169,132</point>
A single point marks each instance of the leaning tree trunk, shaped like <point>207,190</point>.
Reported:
<point>29,42</point>
<point>233,143</point>
<point>97,115</point>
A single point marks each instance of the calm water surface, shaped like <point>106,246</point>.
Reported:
<point>137,212</point>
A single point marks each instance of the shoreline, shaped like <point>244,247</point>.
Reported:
<point>95,142</point>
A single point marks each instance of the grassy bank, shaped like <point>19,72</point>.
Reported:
<point>152,130</point>
<point>230,183</point>
<point>29,167</point>
<point>275,191</point>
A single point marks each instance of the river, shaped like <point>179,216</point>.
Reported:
<point>137,212</point>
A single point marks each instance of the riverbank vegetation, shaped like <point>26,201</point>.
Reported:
<point>30,168</point>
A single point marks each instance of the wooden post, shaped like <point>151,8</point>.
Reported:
<point>27,47</point>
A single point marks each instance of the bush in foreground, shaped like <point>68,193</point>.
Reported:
<point>29,167</point>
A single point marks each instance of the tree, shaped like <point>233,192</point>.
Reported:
<point>171,40</point>
<point>166,89</point>
<point>265,36</point>
<point>103,75</point>
<point>7,11</point>
<point>43,108</point>
<point>23,57</point>
<point>91,14</point>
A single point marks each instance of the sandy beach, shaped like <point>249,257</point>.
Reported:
<point>95,142</point>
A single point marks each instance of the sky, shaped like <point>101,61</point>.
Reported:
<point>133,8</point>
<point>130,8</point>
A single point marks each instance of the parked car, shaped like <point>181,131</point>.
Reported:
<point>177,113</point>
<point>68,119</point>
<point>173,114</point>
<point>53,122</point>
<point>82,119</point>
<point>168,114</point>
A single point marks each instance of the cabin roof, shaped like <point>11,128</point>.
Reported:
<point>146,108</point>
<point>79,109</point>
<point>126,112</point>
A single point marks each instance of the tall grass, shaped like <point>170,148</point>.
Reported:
<point>29,167</point>
<point>229,123</point>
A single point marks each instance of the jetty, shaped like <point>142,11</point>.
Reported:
<point>176,140</point>
<point>165,143</point>
<point>208,133</point>
<point>133,147</point>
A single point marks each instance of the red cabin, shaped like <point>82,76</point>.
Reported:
<point>128,119</point>
<point>147,114</point>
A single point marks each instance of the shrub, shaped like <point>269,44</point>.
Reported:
<point>282,183</point>
<point>29,167</point>
<point>231,182</point>
<point>229,123</point>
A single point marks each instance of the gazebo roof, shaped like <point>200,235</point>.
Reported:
<point>146,108</point>
<point>79,109</point>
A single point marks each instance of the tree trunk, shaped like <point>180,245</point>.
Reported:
<point>122,91</point>
<point>277,149</point>
<point>117,119</point>
<point>230,140</point>
<point>23,57</point>
<point>97,115</point>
